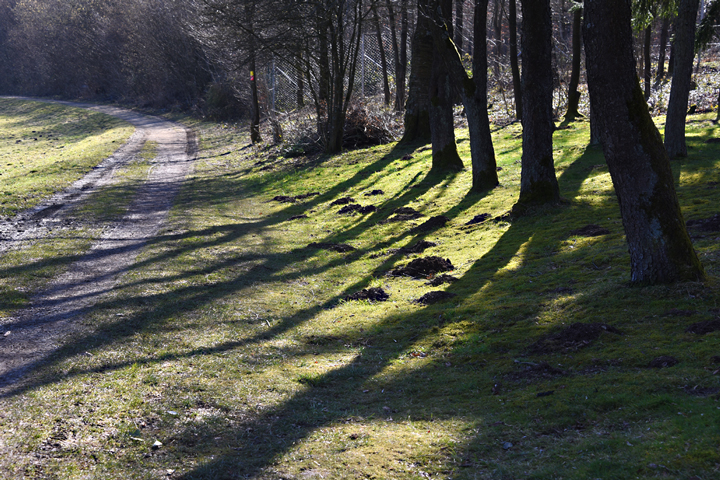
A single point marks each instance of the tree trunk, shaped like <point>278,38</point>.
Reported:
<point>497,29</point>
<point>474,96</point>
<point>648,60</point>
<point>459,24</point>
<point>680,90</point>
<point>663,46</point>
<point>255,115</point>
<point>383,60</point>
<point>401,72</point>
<point>484,167</point>
<point>573,94</point>
<point>396,54</point>
<point>660,248</point>
<point>442,123</point>
<point>671,60</point>
<point>538,183</point>
<point>300,92</point>
<point>323,63</point>
<point>594,129</point>
<point>517,89</point>
<point>417,107</point>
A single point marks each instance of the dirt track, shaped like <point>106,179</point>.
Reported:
<point>37,331</point>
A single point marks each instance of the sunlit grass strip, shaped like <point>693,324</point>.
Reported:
<point>46,147</point>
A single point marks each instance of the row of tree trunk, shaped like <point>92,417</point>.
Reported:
<point>639,163</point>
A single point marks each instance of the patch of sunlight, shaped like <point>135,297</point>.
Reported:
<point>373,448</point>
<point>556,310</point>
<point>693,178</point>
<point>516,262</point>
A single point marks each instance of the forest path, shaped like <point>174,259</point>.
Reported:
<point>36,331</point>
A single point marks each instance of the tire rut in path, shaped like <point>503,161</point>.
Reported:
<point>38,330</point>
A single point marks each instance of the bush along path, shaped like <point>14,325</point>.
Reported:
<point>33,333</point>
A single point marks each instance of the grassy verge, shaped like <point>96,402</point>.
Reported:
<point>45,147</point>
<point>229,350</point>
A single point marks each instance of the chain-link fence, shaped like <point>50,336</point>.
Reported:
<point>285,88</point>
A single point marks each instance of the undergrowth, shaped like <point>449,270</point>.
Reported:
<point>231,351</point>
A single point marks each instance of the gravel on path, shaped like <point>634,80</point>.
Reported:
<point>38,330</point>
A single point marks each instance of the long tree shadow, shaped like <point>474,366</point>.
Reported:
<point>336,391</point>
<point>192,297</point>
<point>335,394</point>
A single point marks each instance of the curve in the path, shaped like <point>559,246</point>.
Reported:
<point>35,332</point>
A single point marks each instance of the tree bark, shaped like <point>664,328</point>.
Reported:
<point>663,46</point>
<point>538,183</point>
<point>648,60</point>
<point>594,129</point>
<point>682,74</point>
<point>323,62</point>
<point>255,115</point>
<point>497,29</point>
<point>383,60</point>
<point>474,97</point>
<point>442,123</point>
<point>417,107</point>
<point>573,93</point>
<point>514,67</point>
<point>401,71</point>
<point>300,92</point>
<point>459,24</point>
<point>396,53</point>
<point>660,248</point>
<point>671,60</point>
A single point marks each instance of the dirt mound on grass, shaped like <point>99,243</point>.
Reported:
<point>477,219</point>
<point>419,247</point>
<point>297,198</point>
<point>701,328</point>
<point>710,224</point>
<point>590,231</point>
<point>571,338</point>
<point>343,201</point>
<point>663,362</point>
<point>407,211</point>
<point>356,208</point>
<point>424,267</point>
<point>534,371</point>
<point>335,247</point>
<point>369,294</point>
<point>375,192</point>
<point>433,223</point>
<point>677,312</point>
<point>441,279</point>
<point>698,391</point>
<point>403,214</point>
<point>435,297</point>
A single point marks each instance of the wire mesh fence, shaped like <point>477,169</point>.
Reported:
<point>285,89</point>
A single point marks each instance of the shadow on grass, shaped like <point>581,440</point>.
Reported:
<point>190,298</point>
<point>352,393</point>
<point>346,394</point>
